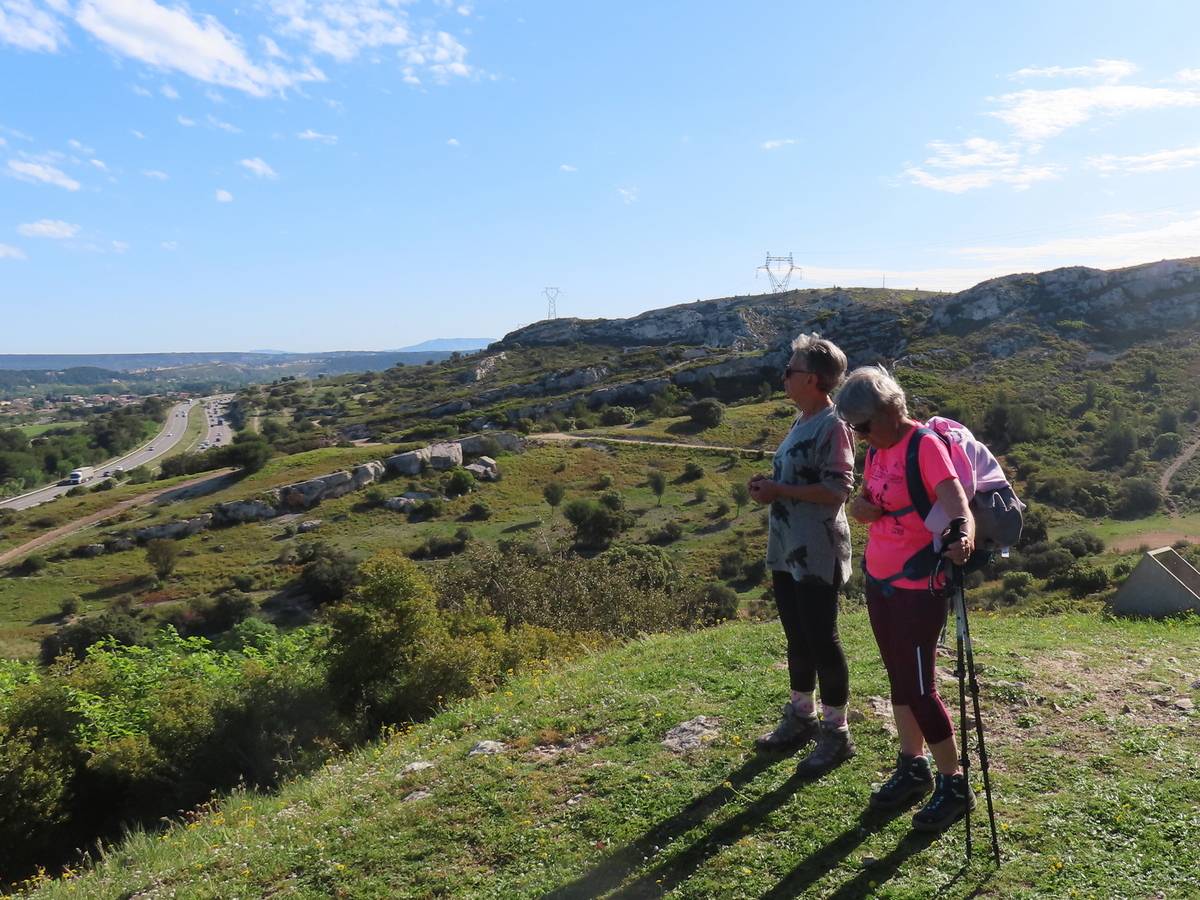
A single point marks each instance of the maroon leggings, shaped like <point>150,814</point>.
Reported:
<point>906,626</point>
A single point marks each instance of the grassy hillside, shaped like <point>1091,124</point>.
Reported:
<point>1094,765</point>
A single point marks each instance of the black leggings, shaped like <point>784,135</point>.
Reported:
<point>808,611</point>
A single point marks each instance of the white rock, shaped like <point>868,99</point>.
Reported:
<point>308,525</point>
<point>488,748</point>
<point>417,795</point>
<point>445,456</point>
<point>692,734</point>
<point>419,766</point>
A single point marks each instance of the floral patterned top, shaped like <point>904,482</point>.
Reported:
<point>812,540</point>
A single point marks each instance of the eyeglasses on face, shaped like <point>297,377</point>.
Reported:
<point>788,372</point>
<point>860,427</point>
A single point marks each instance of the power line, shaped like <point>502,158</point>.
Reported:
<point>551,294</point>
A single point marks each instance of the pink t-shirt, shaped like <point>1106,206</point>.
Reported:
<point>891,540</point>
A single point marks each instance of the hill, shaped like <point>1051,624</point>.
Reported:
<point>1092,764</point>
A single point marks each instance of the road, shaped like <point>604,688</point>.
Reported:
<point>218,433</point>
<point>170,435</point>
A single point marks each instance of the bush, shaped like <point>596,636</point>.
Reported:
<point>1017,586</point>
<point>553,493</point>
<point>721,510</point>
<point>1165,445</point>
<point>375,497</point>
<point>210,617</point>
<point>479,511</point>
<point>162,555</point>
<point>441,546</point>
<point>1081,544</point>
<point>668,534</point>
<point>75,639</point>
<point>692,471</point>
<point>1043,561</point>
<point>1139,497</point>
<point>329,576</point>
<point>731,565</point>
<point>717,603</point>
<point>427,509</point>
<point>706,413</point>
<point>1081,579</point>
<point>604,482</point>
<point>70,606</point>
<point>31,565</point>
<point>459,482</point>
<point>596,524</point>
<point>243,582</point>
<point>617,415</point>
<point>701,493</point>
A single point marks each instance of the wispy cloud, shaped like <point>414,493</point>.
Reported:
<point>628,194</point>
<point>258,167</point>
<point>1160,161</point>
<point>26,25</point>
<point>120,246</point>
<point>137,134</point>
<point>1037,115</point>
<point>223,196</point>
<point>170,245</point>
<point>452,142</point>
<point>41,173</point>
<point>155,174</point>
<point>224,126</point>
<point>777,143</point>
<point>7,251</point>
<point>1110,70</point>
<point>169,92</point>
<point>80,146</point>
<point>99,164</point>
<point>185,121</point>
<point>141,91</point>
<point>309,135</point>
<point>567,167</point>
<point>55,229</point>
<point>976,163</point>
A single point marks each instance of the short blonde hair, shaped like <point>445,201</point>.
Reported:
<point>867,390</point>
<point>823,358</point>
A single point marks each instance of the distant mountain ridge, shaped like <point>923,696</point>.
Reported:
<point>450,344</point>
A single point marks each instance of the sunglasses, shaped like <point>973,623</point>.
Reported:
<point>788,372</point>
<point>860,427</point>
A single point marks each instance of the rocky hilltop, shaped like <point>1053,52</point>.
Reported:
<point>1116,305</point>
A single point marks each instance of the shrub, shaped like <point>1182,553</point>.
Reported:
<point>612,500</point>
<point>70,606</point>
<point>427,509</point>
<point>375,497</point>
<point>442,546</point>
<point>604,482</point>
<point>31,565</point>
<point>210,617</point>
<point>668,534</point>
<point>76,638</point>
<point>617,415</point>
<point>243,582</point>
<point>1081,544</point>
<point>701,493</point>
<point>553,493</point>
<point>731,564</point>
<point>717,603</point>
<point>692,471</point>
<point>1042,561</point>
<point>721,510</point>
<point>1017,586</point>
<point>1139,497</point>
<point>596,524</point>
<point>458,482</point>
<point>706,413</point>
<point>329,576</point>
<point>1081,579</point>
<point>1168,444</point>
<point>479,511</point>
<point>162,555</point>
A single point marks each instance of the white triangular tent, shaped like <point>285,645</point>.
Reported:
<point>1162,584</point>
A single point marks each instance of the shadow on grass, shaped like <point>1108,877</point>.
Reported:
<point>520,526</point>
<point>621,864</point>
<point>208,486</point>
<point>714,527</point>
<point>128,586</point>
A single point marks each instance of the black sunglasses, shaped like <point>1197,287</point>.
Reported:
<point>788,372</point>
<point>860,427</point>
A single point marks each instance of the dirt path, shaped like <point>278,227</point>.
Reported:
<point>560,437</point>
<point>62,531</point>
<point>1165,479</point>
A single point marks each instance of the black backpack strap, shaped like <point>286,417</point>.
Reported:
<point>921,501</point>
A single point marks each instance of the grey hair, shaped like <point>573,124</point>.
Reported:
<point>823,358</point>
<point>868,390</point>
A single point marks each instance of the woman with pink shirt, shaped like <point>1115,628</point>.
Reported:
<point>906,601</point>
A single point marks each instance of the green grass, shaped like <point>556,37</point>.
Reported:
<point>36,430</point>
<point>1092,801</point>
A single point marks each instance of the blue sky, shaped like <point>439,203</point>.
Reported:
<point>367,174</point>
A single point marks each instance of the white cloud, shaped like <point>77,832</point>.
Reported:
<point>777,143</point>
<point>224,126</point>
<point>1109,70</point>
<point>119,246</point>
<point>55,229</point>
<point>170,245</point>
<point>99,164</point>
<point>81,147</point>
<point>155,174</point>
<point>566,167</point>
<point>453,142</point>
<point>258,167</point>
<point>441,54</point>
<point>223,196</point>
<point>1160,161</point>
<point>9,252</point>
<point>271,48</point>
<point>172,40</point>
<point>141,91</point>
<point>1188,76</point>
<point>628,194</point>
<point>1036,115</point>
<point>976,163</point>
<point>214,96</point>
<point>35,172</point>
<point>169,92</point>
<point>137,134</point>
<point>185,121</point>
<point>25,25</point>
<point>309,135</point>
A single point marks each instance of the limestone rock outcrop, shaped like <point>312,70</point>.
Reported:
<point>174,530</point>
<point>411,463</point>
<point>445,456</point>
<point>236,512</point>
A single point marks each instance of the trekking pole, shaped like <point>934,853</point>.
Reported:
<point>964,759</point>
<point>967,680</point>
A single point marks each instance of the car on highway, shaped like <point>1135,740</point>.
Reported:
<point>151,447</point>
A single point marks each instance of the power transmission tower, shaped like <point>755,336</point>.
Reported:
<point>551,294</point>
<point>779,270</point>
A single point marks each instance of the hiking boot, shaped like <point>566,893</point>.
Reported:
<point>793,731</point>
<point>911,780</point>
<point>949,803</point>
<point>833,748</point>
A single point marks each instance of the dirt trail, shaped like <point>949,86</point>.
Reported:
<point>1165,479</point>
<point>559,437</point>
<point>62,531</point>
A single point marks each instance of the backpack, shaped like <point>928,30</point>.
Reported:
<point>994,505</point>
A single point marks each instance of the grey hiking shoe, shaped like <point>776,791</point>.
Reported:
<point>793,731</point>
<point>911,780</point>
<point>949,803</point>
<point>833,748</point>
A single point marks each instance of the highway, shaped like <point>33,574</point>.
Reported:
<point>170,435</point>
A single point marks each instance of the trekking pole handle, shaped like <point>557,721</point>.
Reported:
<point>955,531</point>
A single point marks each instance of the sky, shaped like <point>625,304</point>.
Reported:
<point>367,174</point>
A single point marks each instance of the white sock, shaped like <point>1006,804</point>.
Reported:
<point>804,703</point>
<point>834,716</point>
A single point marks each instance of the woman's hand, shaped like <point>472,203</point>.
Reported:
<point>864,510</point>
<point>960,551</point>
<point>763,489</point>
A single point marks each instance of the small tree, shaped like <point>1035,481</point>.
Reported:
<point>707,413</point>
<point>740,494</point>
<point>162,556</point>
<point>553,494</point>
<point>459,482</point>
<point>658,483</point>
